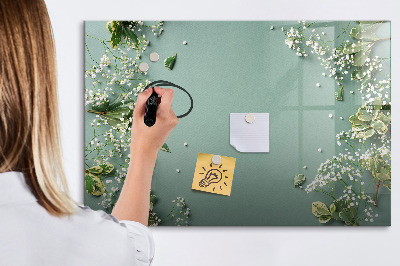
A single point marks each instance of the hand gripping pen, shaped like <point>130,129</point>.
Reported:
<point>150,113</point>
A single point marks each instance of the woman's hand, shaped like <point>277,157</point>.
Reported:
<point>150,139</point>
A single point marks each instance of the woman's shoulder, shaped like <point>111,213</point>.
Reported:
<point>137,235</point>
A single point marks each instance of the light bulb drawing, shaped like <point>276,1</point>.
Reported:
<point>213,176</point>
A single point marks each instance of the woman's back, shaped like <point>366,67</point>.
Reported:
<point>29,235</point>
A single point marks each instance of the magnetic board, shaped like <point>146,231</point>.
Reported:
<point>309,76</point>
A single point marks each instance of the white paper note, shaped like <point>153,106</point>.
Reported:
<point>249,137</point>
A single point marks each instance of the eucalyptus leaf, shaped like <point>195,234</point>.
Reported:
<point>299,179</point>
<point>170,62</point>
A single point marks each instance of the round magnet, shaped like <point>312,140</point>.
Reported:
<point>216,159</point>
<point>143,67</point>
<point>154,57</point>
<point>250,118</point>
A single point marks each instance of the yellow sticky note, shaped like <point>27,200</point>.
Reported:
<point>214,178</point>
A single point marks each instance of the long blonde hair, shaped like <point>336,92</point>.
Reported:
<point>29,119</point>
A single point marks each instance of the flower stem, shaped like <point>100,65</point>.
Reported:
<point>376,193</point>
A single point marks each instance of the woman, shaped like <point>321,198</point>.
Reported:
<point>40,222</point>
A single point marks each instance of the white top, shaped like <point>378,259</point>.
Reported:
<point>29,235</point>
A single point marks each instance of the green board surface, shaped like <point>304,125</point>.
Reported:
<point>245,67</point>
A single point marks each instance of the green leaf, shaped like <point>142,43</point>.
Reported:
<point>165,148</point>
<point>324,219</point>
<point>363,114</point>
<point>339,94</point>
<point>383,128</point>
<point>377,103</point>
<point>359,127</point>
<point>355,121</point>
<point>170,62</point>
<point>332,208</point>
<point>361,57</point>
<point>96,170</point>
<point>356,47</point>
<point>130,36</point>
<point>382,176</point>
<point>359,73</point>
<point>335,215</point>
<point>369,133</point>
<point>347,216</point>
<point>107,168</point>
<point>115,110</point>
<point>319,209</point>
<point>114,117</point>
<point>378,125</point>
<point>94,185</point>
<point>365,117</point>
<point>366,81</point>
<point>369,21</point>
<point>365,31</point>
<point>109,26</point>
<point>299,179</point>
<point>116,35</point>
<point>384,118</point>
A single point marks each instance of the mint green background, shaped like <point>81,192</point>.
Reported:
<point>244,67</point>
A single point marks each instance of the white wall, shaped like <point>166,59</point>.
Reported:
<point>230,245</point>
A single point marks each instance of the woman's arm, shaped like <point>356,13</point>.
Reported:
<point>134,200</point>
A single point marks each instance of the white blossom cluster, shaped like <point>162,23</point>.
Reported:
<point>295,39</point>
<point>372,90</point>
<point>157,29</point>
<point>180,212</point>
<point>340,168</point>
